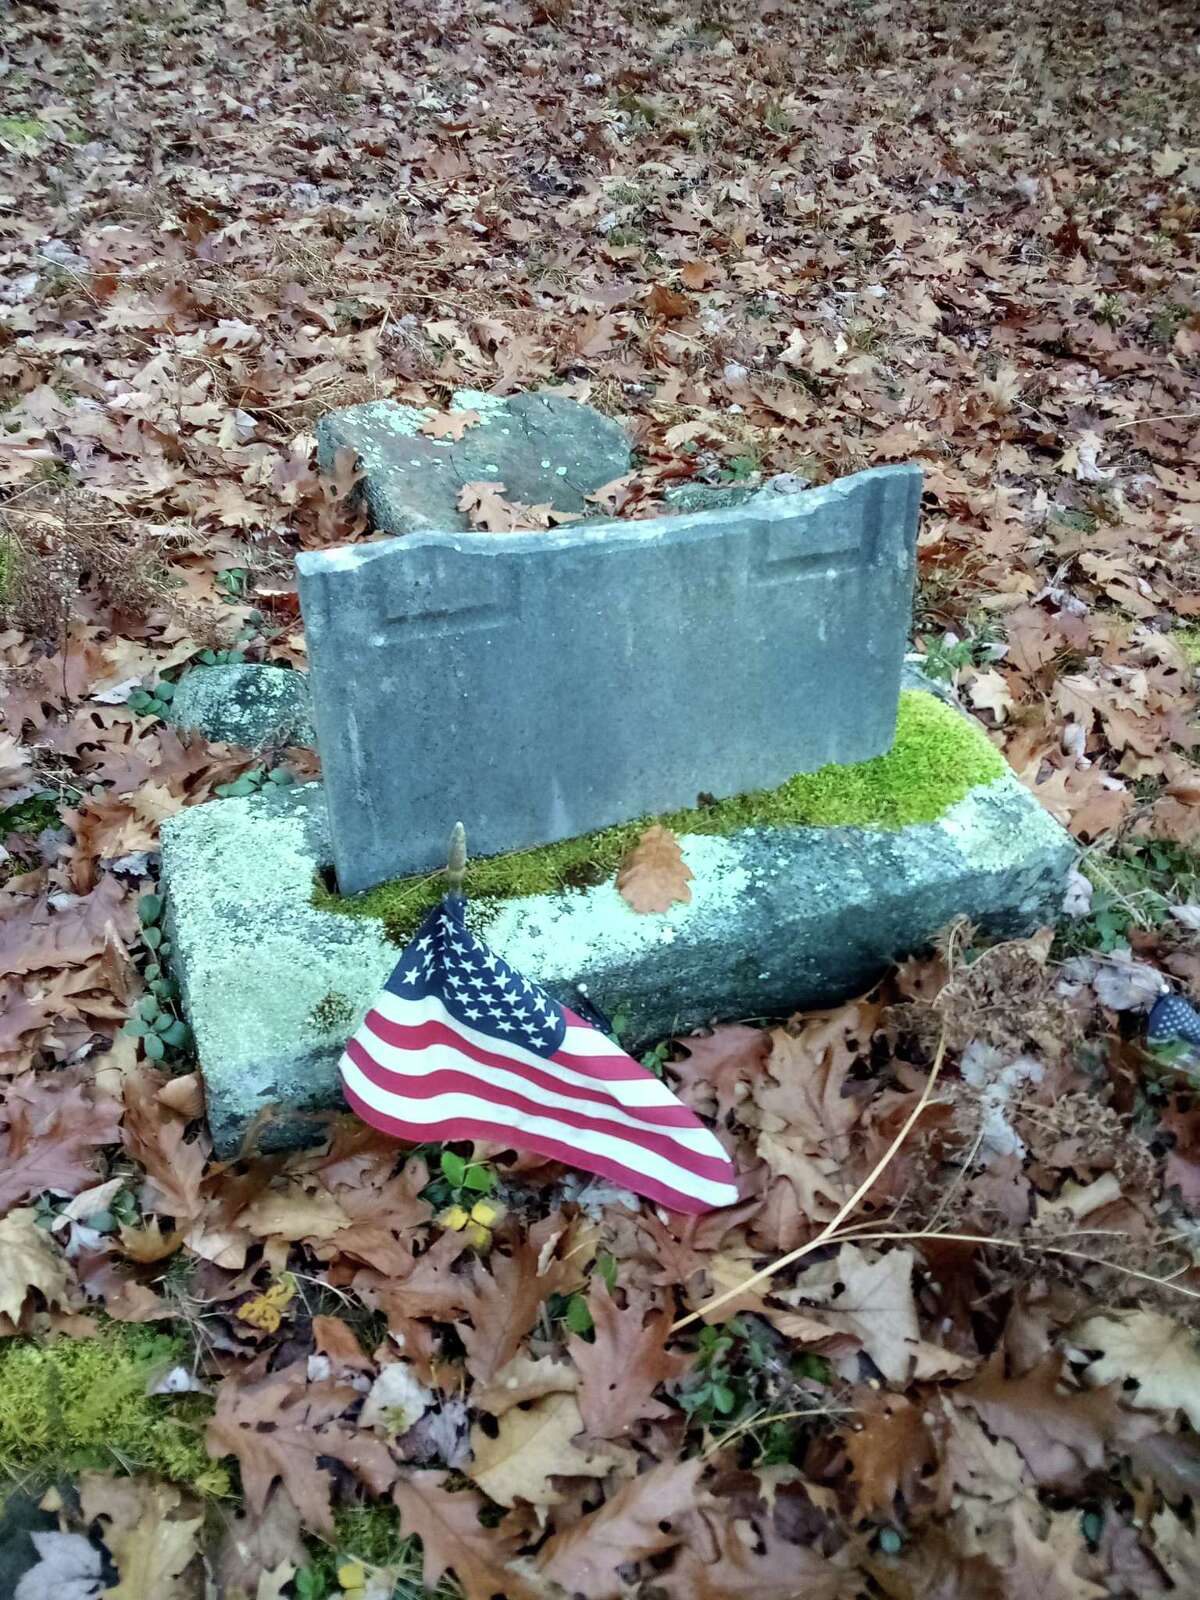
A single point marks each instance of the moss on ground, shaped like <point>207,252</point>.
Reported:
<point>938,756</point>
<point>1188,640</point>
<point>74,1405</point>
<point>22,130</point>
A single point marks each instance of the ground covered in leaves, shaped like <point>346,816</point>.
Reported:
<point>769,239</point>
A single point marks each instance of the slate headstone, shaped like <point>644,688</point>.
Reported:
<point>542,685</point>
<point>541,447</point>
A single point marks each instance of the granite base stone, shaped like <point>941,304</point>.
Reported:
<point>541,447</point>
<point>780,919</point>
<point>245,704</point>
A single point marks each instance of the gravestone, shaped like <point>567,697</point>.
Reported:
<point>543,685</point>
<point>541,447</point>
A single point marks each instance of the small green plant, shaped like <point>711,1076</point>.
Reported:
<point>1110,310</point>
<point>154,702</point>
<point>31,815</point>
<point>1134,885</point>
<point>572,1310</point>
<point>1167,321</point>
<point>157,1023</point>
<point>252,781</point>
<point>714,1391</point>
<point>22,132</point>
<point>233,584</point>
<point>221,658</point>
<point>740,468</point>
<point>460,1182</point>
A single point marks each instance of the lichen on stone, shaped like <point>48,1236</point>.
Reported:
<point>71,1405</point>
<point>938,756</point>
<point>332,1013</point>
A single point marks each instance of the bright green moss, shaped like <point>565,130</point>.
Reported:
<point>22,130</point>
<point>78,1404</point>
<point>937,757</point>
<point>1188,640</point>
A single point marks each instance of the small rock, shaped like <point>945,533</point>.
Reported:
<point>246,705</point>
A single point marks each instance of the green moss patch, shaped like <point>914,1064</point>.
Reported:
<point>937,758</point>
<point>74,1405</point>
<point>22,130</point>
<point>1188,640</point>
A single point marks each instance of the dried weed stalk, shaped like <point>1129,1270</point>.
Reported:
<point>54,544</point>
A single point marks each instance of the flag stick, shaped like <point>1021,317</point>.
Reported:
<point>456,859</point>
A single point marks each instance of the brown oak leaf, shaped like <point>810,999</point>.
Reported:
<point>503,1306</point>
<point>30,1259</point>
<point>154,1136</point>
<point>653,875</point>
<point>644,1517</point>
<point>889,1455</point>
<point>453,1539</point>
<point>449,424</point>
<point>279,1427</point>
<point>532,1445</point>
<point>626,1364</point>
<point>718,1066</point>
<point>55,1123</point>
<point>1061,1433</point>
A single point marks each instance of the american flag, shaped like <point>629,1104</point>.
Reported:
<point>460,1046</point>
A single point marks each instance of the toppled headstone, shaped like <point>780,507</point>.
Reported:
<point>244,704</point>
<point>542,685</point>
<point>780,918</point>
<point>541,447</point>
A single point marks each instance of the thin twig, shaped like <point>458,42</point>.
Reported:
<point>830,1228</point>
<point>1144,422</point>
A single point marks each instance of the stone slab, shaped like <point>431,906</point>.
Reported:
<point>540,686</point>
<point>541,447</point>
<point>245,704</point>
<point>780,919</point>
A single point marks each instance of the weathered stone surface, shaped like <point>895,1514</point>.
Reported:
<point>541,447</point>
<point>539,686</point>
<point>247,705</point>
<point>779,919</point>
<point>270,985</point>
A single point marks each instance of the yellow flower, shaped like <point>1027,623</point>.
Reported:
<point>487,1213</point>
<point>266,1310</point>
<point>352,1575</point>
<point>455,1218</point>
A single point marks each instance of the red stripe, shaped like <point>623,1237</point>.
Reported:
<point>435,1033</point>
<point>608,1068</point>
<point>429,1086</point>
<point>497,1133</point>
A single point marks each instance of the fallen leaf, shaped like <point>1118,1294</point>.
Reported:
<point>646,1516</point>
<point>1155,1354</point>
<point>30,1259</point>
<point>280,1426</point>
<point>453,1539</point>
<point>653,874</point>
<point>532,1445</point>
<point>889,1455</point>
<point>624,1366</point>
<point>1062,1434</point>
<point>449,424</point>
<point>152,1539</point>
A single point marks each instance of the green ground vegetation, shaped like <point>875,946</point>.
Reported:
<point>72,1405</point>
<point>938,756</point>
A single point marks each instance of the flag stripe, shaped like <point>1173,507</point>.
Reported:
<point>410,1048</point>
<point>597,1063</point>
<point>463,1118</point>
<point>402,1087</point>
